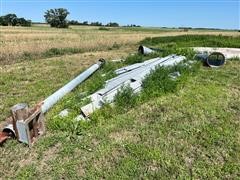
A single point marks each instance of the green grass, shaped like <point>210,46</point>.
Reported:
<point>103,29</point>
<point>181,45</point>
<point>125,99</point>
<point>193,40</point>
<point>53,52</point>
<point>148,29</point>
<point>192,132</point>
<point>186,129</point>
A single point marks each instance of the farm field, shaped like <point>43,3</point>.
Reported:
<point>21,43</point>
<point>32,57</point>
<point>190,133</point>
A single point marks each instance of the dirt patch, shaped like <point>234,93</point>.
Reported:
<point>30,158</point>
<point>48,155</point>
<point>153,167</point>
<point>81,171</point>
<point>124,135</point>
<point>109,159</point>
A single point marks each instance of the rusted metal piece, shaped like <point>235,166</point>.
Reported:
<point>4,136</point>
<point>7,130</point>
<point>27,125</point>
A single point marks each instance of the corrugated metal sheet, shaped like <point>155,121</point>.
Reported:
<point>127,76</point>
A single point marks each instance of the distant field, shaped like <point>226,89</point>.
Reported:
<point>19,43</point>
<point>191,132</point>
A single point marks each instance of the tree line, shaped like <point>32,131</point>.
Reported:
<point>86,23</point>
<point>56,18</point>
<point>13,20</point>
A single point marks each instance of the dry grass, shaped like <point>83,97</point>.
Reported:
<point>15,41</point>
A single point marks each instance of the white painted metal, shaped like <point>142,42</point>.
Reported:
<point>132,77</point>
<point>145,50</point>
<point>228,52</point>
<point>135,66</point>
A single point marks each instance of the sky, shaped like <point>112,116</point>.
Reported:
<point>224,14</point>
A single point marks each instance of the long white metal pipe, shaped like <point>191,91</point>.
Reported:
<point>55,97</point>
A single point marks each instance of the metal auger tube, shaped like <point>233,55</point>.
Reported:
<point>55,97</point>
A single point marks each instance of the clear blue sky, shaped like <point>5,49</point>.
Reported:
<point>170,13</point>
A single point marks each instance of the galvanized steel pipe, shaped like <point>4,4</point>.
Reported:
<point>145,50</point>
<point>55,97</point>
<point>214,59</point>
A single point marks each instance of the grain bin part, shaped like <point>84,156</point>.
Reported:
<point>214,59</point>
<point>131,76</point>
<point>9,130</point>
<point>229,53</point>
<point>55,97</point>
<point>27,124</point>
<point>145,50</point>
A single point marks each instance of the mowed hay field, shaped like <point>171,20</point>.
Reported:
<point>19,43</point>
<point>192,132</point>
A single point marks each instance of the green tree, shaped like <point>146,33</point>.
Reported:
<point>96,24</point>
<point>24,22</point>
<point>57,17</point>
<point>9,19</point>
<point>85,23</point>
<point>13,20</point>
<point>73,22</point>
<point>113,24</point>
<point>3,21</point>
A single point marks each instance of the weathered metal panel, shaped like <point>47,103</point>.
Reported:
<point>22,132</point>
<point>132,77</point>
<point>135,66</point>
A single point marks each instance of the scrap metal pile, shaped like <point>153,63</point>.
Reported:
<point>27,124</point>
<point>131,76</point>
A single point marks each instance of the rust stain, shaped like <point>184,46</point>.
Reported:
<point>4,136</point>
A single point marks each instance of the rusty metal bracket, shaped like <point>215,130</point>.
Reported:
<point>27,125</point>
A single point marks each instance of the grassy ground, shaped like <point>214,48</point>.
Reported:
<point>32,81</point>
<point>192,132</point>
<point>194,40</point>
